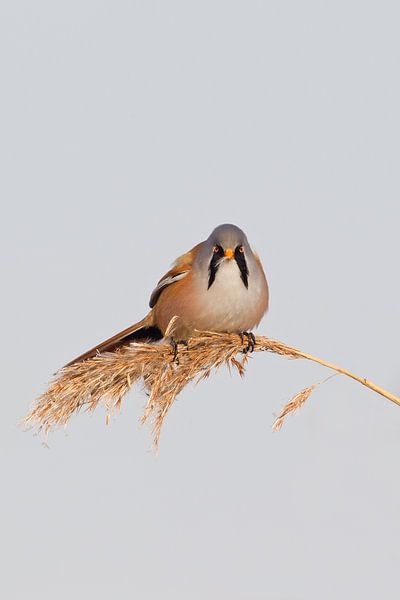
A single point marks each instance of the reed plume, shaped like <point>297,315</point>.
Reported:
<point>106,378</point>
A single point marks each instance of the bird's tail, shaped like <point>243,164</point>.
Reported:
<point>142,331</point>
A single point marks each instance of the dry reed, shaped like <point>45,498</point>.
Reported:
<point>108,377</point>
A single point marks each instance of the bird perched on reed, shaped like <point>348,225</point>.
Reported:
<point>218,286</point>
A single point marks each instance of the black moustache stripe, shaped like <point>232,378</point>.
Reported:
<point>216,261</point>
<point>213,268</point>
<point>244,271</point>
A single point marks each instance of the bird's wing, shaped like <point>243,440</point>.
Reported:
<point>181,267</point>
<point>145,329</point>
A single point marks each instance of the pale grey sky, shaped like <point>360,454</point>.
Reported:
<point>128,131</point>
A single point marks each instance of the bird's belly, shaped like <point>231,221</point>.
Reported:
<point>228,306</point>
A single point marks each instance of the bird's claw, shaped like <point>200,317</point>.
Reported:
<point>175,347</point>
<point>251,341</point>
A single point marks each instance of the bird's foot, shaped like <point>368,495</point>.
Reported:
<point>251,341</point>
<point>175,347</point>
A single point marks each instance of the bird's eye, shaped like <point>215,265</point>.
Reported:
<point>241,249</point>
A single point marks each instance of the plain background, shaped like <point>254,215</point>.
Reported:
<point>128,131</point>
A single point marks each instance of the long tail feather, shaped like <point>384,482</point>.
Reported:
<point>141,331</point>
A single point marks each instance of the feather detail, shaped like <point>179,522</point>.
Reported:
<point>181,267</point>
<point>171,277</point>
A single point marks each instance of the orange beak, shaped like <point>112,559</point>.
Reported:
<point>229,253</point>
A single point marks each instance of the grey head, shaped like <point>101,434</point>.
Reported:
<point>228,236</point>
<point>227,242</point>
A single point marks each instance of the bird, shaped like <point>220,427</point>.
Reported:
<point>219,286</point>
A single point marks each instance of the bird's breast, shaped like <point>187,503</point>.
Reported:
<point>228,305</point>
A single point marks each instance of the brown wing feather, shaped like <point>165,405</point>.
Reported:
<point>182,266</point>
